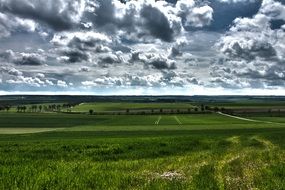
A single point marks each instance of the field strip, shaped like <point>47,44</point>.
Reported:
<point>246,119</point>
<point>178,121</point>
<point>158,120</point>
<point>11,131</point>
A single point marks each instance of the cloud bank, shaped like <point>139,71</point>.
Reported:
<point>94,45</point>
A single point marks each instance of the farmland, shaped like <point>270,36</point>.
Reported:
<point>79,150</point>
<point>134,106</point>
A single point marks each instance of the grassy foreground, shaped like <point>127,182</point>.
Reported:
<point>133,152</point>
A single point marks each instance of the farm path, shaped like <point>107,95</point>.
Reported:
<point>158,120</point>
<point>178,121</point>
<point>246,119</point>
<point>8,131</point>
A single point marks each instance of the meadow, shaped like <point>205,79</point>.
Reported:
<point>168,151</point>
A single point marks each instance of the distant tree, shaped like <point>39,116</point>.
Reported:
<point>40,108</point>
<point>68,107</point>
<point>53,107</point>
<point>161,110</point>
<point>202,107</point>
<point>58,107</point>
<point>24,108</point>
<point>178,111</point>
<point>7,107</point>
<point>91,112</point>
<point>152,111</point>
<point>196,109</point>
<point>189,110</point>
<point>127,110</point>
<point>216,109</point>
<point>36,108</point>
<point>270,112</point>
<point>45,108</point>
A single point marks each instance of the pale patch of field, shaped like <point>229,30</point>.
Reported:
<point>169,175</point>
<point>158,120</point>
<point>7,131</point>
<point>268,144</point>
<point>234,139</point>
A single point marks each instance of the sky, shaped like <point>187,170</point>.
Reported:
<point>139,47</point>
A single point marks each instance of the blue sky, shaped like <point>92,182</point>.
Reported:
<point>185,47</point>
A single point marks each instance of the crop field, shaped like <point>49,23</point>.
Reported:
<point>134,106</point>
<point>160,151</point>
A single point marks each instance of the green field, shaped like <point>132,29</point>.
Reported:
<point>83,107</point>
<point>198,151</point>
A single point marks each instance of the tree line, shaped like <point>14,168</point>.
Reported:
<point>198,109</point>
<point>45,108</point>
<point>5,107</point>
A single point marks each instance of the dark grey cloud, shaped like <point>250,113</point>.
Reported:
<point>174,52</point>
<point>29,59</point>
<point>152,60</point>
<point>74,56</point>
<point>156,23</point>
<point>11,24</point>
<point>84,69</point>
<point>102,14</point>
<point>158,63</point>
<point>89,44</point>
<point>109,59</point>
<point>7,55</point>
<point>135,56</point>
<point>32,59</point>
<point>257,49</point>
<point>58,14</point>
<point>11,71</point>
<point>157,19</point>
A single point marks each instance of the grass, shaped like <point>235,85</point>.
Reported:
<point>270,119</point>
<point>84,122</point>
<point>201,151</point>
<point>202,160</point>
